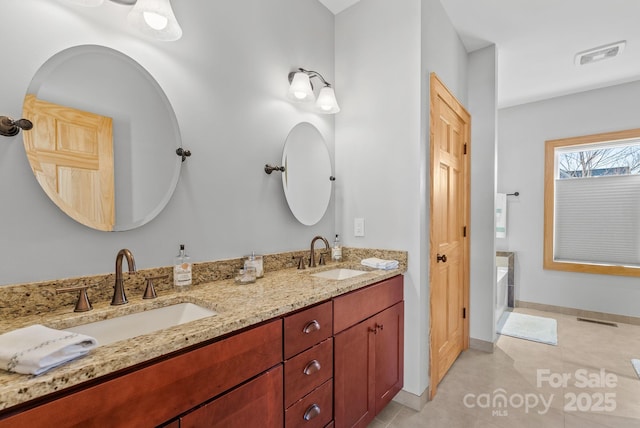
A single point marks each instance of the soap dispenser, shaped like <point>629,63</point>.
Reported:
<point>336,251</point>
<point>182,270</point>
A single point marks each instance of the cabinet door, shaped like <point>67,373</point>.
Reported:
<point>354,376</point>
<point>254,404</point>
<point>389,364</point>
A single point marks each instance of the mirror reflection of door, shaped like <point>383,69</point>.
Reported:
<point>71,154</point>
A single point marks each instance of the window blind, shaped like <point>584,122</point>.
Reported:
<point>597,220</point>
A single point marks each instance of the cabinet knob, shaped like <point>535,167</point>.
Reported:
<point>311,368</point>
<point>379,326</point>
<point>373,330</point>
<point>311,327</point>
<point>312,412</point>
<point>441,258</point>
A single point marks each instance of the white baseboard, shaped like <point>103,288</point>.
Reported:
<point>579,312</point>
<point>482,345</point>
<point>412,401</point>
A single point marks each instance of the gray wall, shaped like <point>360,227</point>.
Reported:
<point>226,79</point>
<point>384,54</point>
<point>483,84</point>
<point>523,131</point>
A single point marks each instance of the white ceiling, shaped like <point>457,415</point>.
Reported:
<point>537,41</point>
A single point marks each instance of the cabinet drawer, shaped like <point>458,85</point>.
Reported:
<point>304,329</point>
<point>307,370</point>
<point>256,403</point>
<point>313,411</point>
<point>359,305</point>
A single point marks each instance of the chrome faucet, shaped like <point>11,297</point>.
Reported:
<point>312,258</point>
<point>119,298</point>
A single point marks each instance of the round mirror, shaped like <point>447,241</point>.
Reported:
<point>307,175</point>
<point>103,145</point>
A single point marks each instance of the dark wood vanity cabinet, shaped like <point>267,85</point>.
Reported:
<point>338,362</point>
<point>369,351</point>
<point>152,395</point>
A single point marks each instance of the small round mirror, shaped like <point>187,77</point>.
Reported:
<point>307,175</point>
<point>103,145</point>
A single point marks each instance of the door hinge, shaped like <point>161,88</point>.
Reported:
<point>464,232</point>
<point>464,313</point>
<point>465,148</point>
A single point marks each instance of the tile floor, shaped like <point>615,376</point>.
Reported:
<point>600,387</point>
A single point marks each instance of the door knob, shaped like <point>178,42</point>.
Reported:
<point>442,258</point>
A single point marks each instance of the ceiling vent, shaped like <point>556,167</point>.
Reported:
<point>600,53</point>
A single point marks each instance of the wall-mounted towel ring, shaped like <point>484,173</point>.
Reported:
<point>10,127</point>
<point>513,194</point>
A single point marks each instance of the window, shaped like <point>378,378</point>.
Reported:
<point>592,204</point>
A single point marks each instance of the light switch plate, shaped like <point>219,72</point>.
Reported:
<point>358,226</point>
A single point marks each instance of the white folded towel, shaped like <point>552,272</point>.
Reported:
<point>501,215</point>
<point>36,349</point>
<point>377,263</point>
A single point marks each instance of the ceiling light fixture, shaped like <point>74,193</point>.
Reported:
<point>154,18</point>
<point>600,53</point>
<point>301,90</point>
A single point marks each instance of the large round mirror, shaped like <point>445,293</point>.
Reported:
<point>307,175</point>
<point>103,145</point>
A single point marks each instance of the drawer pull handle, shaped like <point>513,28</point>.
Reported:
<point>312,412</point>
<point>311,368</point>
<point>311,327</point>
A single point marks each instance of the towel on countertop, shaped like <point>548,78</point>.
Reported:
<point>377,263</point>
<point>36,349</point>
<point>501,215</point>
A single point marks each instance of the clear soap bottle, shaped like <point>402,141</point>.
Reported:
<point>182,270</point>
<point>336,251</point>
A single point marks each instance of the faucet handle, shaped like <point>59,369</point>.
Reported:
<point>300,261</point>
<point>322,260</point>
<point>150,291</point>
<point>82,304</point>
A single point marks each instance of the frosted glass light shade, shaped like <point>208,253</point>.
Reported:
<point>155,18</point>
<point>300,89</point>
<point>327,102</point>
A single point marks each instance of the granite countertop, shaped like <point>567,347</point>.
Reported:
<point>237,307</point>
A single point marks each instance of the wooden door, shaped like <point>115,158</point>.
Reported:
<point>354,378</point>
<point>449,242</point>
<point>389,360</point>
<point>71,154</point>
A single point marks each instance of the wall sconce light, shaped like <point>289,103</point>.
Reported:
<point>301,90</point>
<point>153,18</point>
<point>10,127</point>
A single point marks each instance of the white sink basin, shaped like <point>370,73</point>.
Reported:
<point>338,274</point>
<point>132,325</point>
